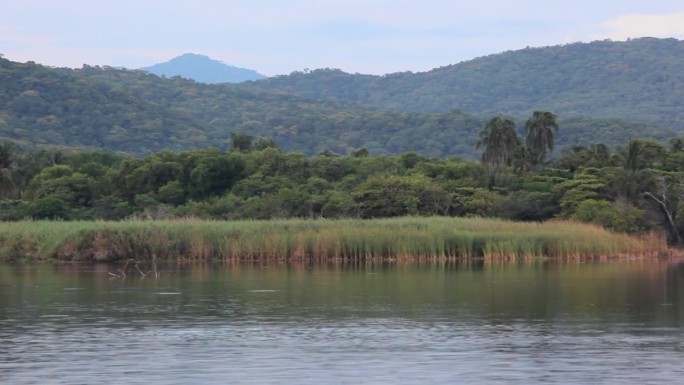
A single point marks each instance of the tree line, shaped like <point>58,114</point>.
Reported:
<point>635,188</point>
<point>502,147</point>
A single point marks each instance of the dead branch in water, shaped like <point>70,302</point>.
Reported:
<point>121,273</point>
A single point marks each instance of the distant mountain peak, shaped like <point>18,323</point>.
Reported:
<point>203,69</point>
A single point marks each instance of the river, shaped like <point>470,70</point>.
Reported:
<point>565,323</point>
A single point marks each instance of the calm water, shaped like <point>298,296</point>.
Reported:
<point>587,323</point>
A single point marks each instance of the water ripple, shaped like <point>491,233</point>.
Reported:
<point>280,327</point>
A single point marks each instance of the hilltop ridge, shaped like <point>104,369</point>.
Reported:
<point>603,92</point>
<point>640,79</point>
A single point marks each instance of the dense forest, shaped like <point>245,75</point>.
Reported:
<point>640,79</point>
<point>105,143</point>
<point>604,92</point>
<point>636,188</point>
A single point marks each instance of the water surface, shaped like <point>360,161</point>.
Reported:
<point>611,322</point>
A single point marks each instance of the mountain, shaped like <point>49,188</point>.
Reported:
<point>203,69</point>
<point>641,79</point>
<point>139,113</point>
<point>603,92</point>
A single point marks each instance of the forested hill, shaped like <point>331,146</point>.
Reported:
<point>46,106</point>
<point>640,79</point>
<point>140,113</point>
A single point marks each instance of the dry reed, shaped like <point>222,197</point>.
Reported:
<point>410,238</point>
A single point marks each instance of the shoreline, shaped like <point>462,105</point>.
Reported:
<point>397,239</point>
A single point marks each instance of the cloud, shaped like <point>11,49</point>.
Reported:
<point>638,25</point>
<point>276,36</point>
<point>12,36</point>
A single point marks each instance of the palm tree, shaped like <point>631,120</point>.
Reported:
<point>7,185</point>
<point>633,175</point>
<point>641,154</point>
<point>676,144</point>
<point>7,162</point>
<point>499,140</point>
<point>540,128</point>
<point>522,160</point>
<point>633,156</point>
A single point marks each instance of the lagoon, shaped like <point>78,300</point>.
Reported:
<point>522,323</point>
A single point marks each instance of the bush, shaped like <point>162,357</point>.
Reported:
<point>47,208</point>
<point>616,216</point>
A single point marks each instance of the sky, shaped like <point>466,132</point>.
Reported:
<point>278,37</point>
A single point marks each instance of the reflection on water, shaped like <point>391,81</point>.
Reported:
<point>403,324</point>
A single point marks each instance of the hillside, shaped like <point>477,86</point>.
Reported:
<point>641,79</point>
<point>203,69</point>
<point>139,113</point>
<point>136,112</point>
<point>44,106</point>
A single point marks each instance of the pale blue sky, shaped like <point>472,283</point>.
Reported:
<point>278,37</point>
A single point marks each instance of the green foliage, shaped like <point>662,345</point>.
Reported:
<point>617,90</point>
<point>528,206</point>
<point>636,80</point>
<point>474,201</point>
<point>211,172</point>
<point>586,184</point>
<point>638,189</point>
<point>499,140</point>
<point>540,140</point>
<point>394,195</point>
<point>110,207</point>
<point>679,217</point>
<point>59,184</point>
<point>595,155</point>
<point>241,142</point>
<point>618,216</point>
<point>172,193</point>
<point>49,207</point>
<point>640,154</point>
<point>7,165</point>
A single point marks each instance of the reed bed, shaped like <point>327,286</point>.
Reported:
<point>408,239</point>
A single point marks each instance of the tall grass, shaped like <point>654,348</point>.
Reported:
<point>421,239</point>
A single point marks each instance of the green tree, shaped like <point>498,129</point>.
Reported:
<point>263,143</point>
<point>393,195</point>
<point>473,201</point>
<point>7,164</point>
<point>212,172</point>
<point>241,142</point>
<point>171,193</point>
<point>666,196</point>
<point>635,173</point>
<point>576,157</point>
<point>360,153</point>
<point>540,128</point>
<point>618,216</point>
<point>60,183</point>
<point>527,206</point>
<point>148,177</point>
<point>499,140</point>
<point>49,207</point>
<point>586,184</point>
<point>641,154</point>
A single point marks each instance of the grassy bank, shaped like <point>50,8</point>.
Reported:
<point>403,238</point>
